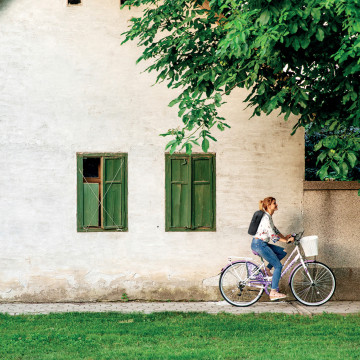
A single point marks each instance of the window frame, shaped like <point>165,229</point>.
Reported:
<point>168,214</point>
<point>80,194</point>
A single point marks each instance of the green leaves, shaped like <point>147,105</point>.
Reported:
<point>293,27</point>
<point>337,153</point>
<point>351,157</point>
<point>217,99</point>
<point>261,89</point>
<point>188,147</point>
<point>205,145</point>
<point>264,17</point>
<point>330,142</point>
<point>323,172</point>
<point>173,102</point>
<point>295,57</point>
<point>305,41</point>
<point>320,34</point>
<point>172,145</point>
<point>296,44</point>
<point>318,146</point>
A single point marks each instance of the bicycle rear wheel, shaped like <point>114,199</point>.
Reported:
<point>315,292</point>
<point>238,287</point>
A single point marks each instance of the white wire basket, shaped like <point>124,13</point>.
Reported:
<point>310,245</point>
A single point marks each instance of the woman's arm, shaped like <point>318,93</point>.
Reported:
<point>286,239</point>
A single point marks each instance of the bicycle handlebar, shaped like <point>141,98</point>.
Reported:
<point>297,237</point>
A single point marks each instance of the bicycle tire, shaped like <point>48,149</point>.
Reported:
<point>236,287</point>
<point>318,292</point>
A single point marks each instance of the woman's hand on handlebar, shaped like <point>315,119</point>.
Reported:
<point>290,240</point>
<point>286,239</point>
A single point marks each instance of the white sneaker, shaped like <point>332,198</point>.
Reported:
<point>277,296</point>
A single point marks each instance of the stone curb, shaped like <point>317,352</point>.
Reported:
<point>285,307</point>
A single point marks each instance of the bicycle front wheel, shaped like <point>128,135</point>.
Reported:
<point>236,285</point>
<point>314,285</point>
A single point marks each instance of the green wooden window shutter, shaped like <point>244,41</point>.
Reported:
<point>202,192</point>
<point>178,193</point>
<point>102,200</point>
<point>190,192</point>
<point>114,192</point>
<point>80,193</point>
<point>91,204</point>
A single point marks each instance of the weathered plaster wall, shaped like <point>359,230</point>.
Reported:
<point>333,214</point>
<point>67,86</point>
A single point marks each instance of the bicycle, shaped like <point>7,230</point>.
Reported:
<point>242,282</point>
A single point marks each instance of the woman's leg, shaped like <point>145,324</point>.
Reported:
<point>279,252</point>
<point>264,250</point>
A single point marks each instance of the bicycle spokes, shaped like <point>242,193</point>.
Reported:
<point>313,284</point>
<point>236,285</point>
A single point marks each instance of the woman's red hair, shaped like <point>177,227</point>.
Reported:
<point>263,204</point>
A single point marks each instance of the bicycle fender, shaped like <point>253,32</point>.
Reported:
<point>233,262</point>
<point>238,261</point>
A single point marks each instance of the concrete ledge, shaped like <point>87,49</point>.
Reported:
<point>284,307</point>
<point>331,185</point>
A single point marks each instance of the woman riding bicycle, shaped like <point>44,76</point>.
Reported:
<point>270,252</point>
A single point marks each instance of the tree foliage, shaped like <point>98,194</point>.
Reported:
<point>319,144</point>
<point>298,57</point>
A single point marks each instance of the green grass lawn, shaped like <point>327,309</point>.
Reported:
<point>179,336</point>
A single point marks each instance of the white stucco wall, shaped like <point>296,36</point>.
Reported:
<point>67,86</point>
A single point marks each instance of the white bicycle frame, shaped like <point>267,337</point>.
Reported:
<point>297,257</point>
<point>259,268</point>
<point>295,252</point>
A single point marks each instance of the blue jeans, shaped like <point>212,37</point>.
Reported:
<point>272,254</point>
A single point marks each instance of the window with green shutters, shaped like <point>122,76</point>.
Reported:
<point>190,192</point>
<point>101,192</point>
